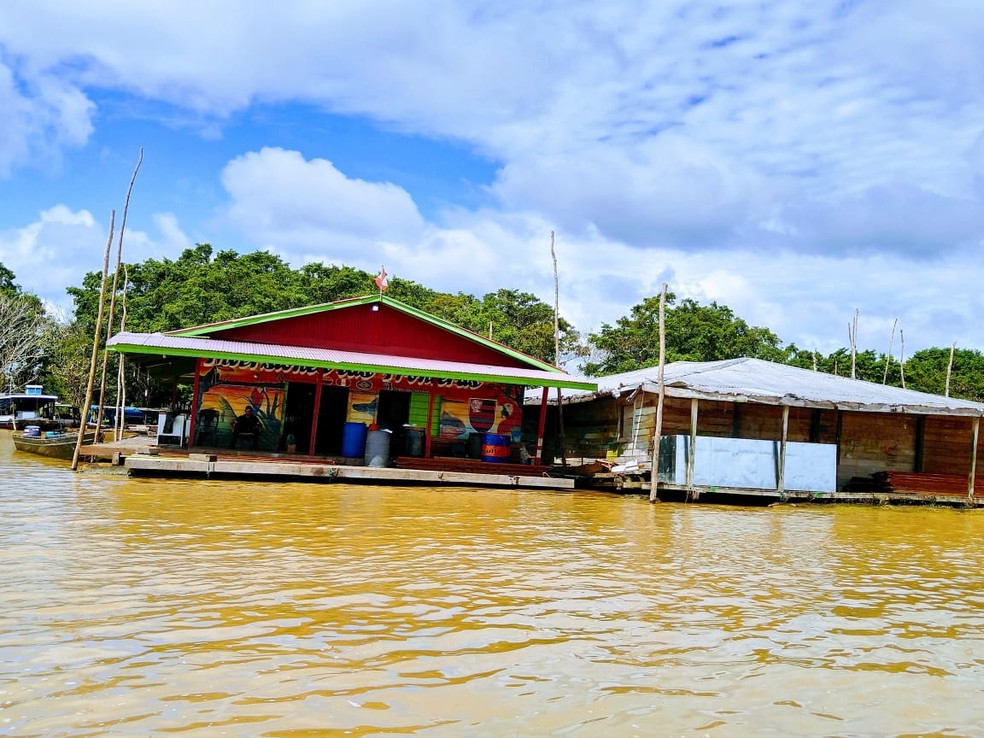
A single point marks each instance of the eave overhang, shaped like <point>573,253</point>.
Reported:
<point>170,345</point>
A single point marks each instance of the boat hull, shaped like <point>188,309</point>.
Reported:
<point>59,447</point>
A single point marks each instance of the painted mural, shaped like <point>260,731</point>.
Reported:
<point>226,389</point>
<point>461,418</point>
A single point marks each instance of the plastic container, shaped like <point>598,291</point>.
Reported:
<point>377,448</point>
<point>415,441</point>
<point>496,448</point>
<point>354,440</point>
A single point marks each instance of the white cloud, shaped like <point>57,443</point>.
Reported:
<point>62,245</point>
<point>791,160</point>
<point>309,207</point>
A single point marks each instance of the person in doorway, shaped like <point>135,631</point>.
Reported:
<point>247,425</point>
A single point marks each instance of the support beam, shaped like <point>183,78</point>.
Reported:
<point>196,403</point>
<point>430,425</point>
<point>971,478</point>
<point>692,456</point>
<point>317,411</point>
<point>781,471</point>
<point>658,427</point>
<point>540,427</point>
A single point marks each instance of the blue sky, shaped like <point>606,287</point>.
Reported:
<point>794,161</point>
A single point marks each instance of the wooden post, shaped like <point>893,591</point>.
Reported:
<point>949,369</point>
<point>560,402</point>
<point>196,403</point>
<point>95,347</point>
<point>691,458</point>
<point>540,426</point>
<point>781,471</point>
<point>317,411</point>
<point>660,397</point>
<point>971,479</point>
<point>430,425</point>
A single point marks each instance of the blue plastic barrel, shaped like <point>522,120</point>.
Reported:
<point>495,448</point>
<point>354,440</point>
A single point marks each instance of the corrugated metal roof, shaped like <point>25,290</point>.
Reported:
<point>171,345</point>
<point>755,380</point>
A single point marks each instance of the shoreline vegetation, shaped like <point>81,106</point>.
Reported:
<point>205,286</point>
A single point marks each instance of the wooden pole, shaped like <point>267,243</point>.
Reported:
<point>196,404</point>
<point>949,369</point>
<point>560,401</point>
<point>781,471</point>
<point>540,427</point>
<point>112,301</point>
<point>902,357</point>
<point>660,397</point>
<point>692,457</point>
<point>972,477</point>
<point>852,330</point>
<point>318,388</point>
<point>888,359</point>
<point>430,425</point>
<point>95,345</point>
<point>120,374</point>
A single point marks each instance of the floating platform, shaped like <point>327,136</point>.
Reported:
<point>212,466</point>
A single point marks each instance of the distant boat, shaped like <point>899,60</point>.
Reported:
<point>52,444</point>
<point>30,407</point>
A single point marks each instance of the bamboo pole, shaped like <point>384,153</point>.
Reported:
<point>949,369</point>
<point>660,397</point>
<point>120,378</point>
<point>95,344</point>
<point>888,359</point>
<point>560,402</point>
<point>112,302</point>
<point>902,356</point>
<point>852,331</point>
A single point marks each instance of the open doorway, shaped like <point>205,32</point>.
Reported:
<point>298,415</point>
<point>393,414</point>
<point>332,415</point>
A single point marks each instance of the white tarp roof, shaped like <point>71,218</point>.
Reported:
<point>755,380</point>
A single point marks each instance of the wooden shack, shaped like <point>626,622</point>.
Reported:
<point>879,439</point>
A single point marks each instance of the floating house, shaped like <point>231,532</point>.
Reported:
<point>360,381</point>
<point>30,406</point>
<point>752,427</point>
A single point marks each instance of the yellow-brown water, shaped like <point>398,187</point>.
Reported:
<point>139,608</point>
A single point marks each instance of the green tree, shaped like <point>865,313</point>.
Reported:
<point>693,333</point>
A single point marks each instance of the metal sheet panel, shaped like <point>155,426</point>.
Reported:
<point>746,463</point>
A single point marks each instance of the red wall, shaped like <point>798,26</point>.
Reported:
<point>360,328</point>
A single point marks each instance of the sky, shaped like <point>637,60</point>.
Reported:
<point>798,162</point>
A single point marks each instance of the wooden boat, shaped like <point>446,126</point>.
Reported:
<point>53,445</point>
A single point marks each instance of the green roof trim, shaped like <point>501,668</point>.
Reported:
<point>205,330</point>
<point>567,382</point>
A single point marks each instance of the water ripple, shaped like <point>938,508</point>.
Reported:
<point>136,607</point>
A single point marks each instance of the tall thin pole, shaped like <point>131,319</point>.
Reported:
<point>949,368</point>
<point>112,301</point>
<point>888,359</point>
<point>560,402</point>
<point>658,428</point>
<point>95,345</point>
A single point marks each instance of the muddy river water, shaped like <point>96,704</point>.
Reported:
<point>177,607</point>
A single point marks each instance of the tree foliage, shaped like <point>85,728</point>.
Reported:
<point>203,286</point>
<point>27,335</point>
<point>693,333</point>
